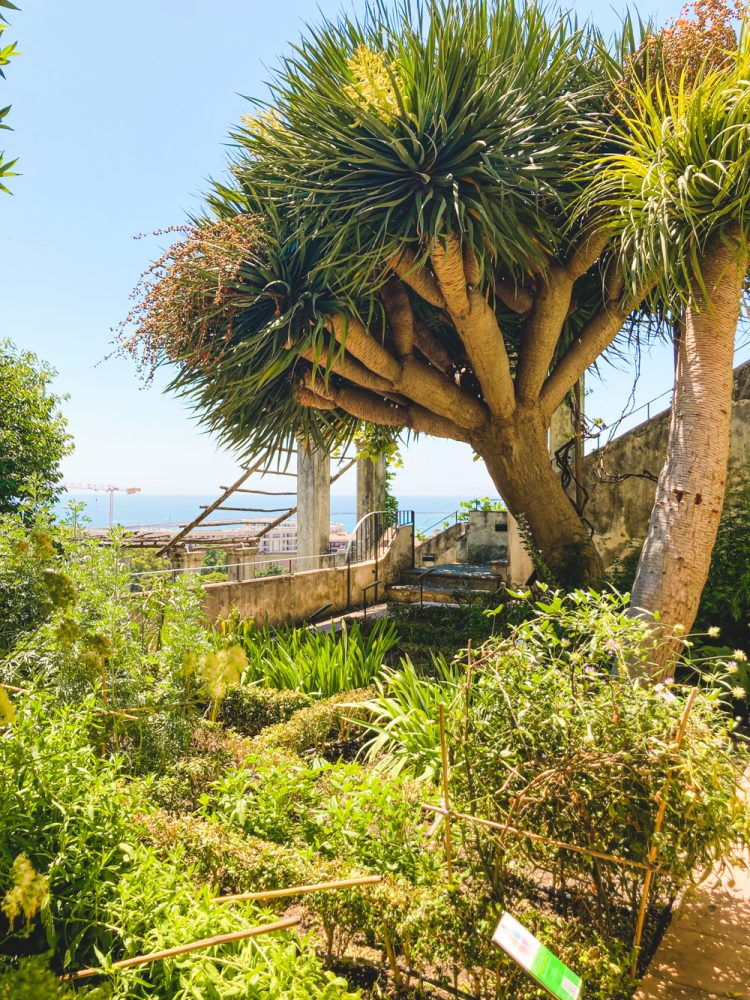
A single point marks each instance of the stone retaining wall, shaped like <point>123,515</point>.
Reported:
<point>619,512</point>
<point>289,599</point>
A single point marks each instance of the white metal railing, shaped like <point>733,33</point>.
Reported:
<point>288,565</point>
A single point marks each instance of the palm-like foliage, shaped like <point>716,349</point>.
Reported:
<point>682,173</point>
<point>448,116</point>
<point>459,115</point>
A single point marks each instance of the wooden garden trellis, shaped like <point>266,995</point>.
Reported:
<point>649,867</point>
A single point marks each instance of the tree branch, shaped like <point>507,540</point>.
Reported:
<point>433,350</point>
<point>477,327</point>
<point>448,263</point>
<point>587,251</point>
<point>400,316</point>
<point>364,347</point>
<point>349,369</point>
<point>418,278</point>
<point>595,337</point>
<point>549,312</point>
<point>306,397</point>
<point>367,406</point>
<point>426,386</point>
<point>515,297</point>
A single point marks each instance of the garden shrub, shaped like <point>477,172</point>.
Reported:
<point>210,752</point>
<point>553,737</point>
<point>225,858</point>
<point>328,724</point>
<point>31,979</point>
<point>427,632</point>
<point>155,906</point>
<point>64,808</point>
<point>78,882</point>
<point>338,811</point>
<point>250,709</point>
<point>31,583</point>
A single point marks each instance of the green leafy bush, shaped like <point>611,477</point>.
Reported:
<point>78,882</point>
<point>33,431</point>
<point>328,726</point>
<point>555,738</point>
<point>250,709</point>
<point>338,810</point>
<point>31,582</point>
<point>31,979</point>
<point>64,808</point>
<point>226,858</point>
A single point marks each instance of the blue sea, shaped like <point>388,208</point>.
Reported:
<point>140,509</point>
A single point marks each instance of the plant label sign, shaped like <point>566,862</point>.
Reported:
<point>537,960</point>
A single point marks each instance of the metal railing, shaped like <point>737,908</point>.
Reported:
<point>274,565</point>
<point>370,539</point>
<point>422,575</point>
<point>372,534</point>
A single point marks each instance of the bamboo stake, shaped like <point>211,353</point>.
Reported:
<point>681,729</point>
<point>299,890</point>
<point>119,714</point>
<point>446,799</point>
<point>514,831</point>
<point>156,956</point>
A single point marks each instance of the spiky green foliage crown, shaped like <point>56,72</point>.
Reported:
<point>681,173</point>
<point>476,117</point>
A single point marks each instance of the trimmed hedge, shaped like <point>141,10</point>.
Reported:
<point>251,709</point>
<point>318,726</point>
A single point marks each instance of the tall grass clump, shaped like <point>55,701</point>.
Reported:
<point>321,664</point>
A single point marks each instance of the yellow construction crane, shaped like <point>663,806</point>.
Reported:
<point>96,488</point>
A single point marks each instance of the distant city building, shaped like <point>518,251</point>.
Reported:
<point>282,540</point>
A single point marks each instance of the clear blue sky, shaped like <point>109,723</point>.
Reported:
<point>120,113</point>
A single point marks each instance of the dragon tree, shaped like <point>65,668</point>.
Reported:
<point>401,243</point>
<point>678,190</point>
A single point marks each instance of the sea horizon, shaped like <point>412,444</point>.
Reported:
<point>174,509</point>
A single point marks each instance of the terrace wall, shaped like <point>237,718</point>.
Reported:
<point>619,512</point>
<point>288,599</point>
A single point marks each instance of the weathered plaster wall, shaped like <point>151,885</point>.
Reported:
<point>284,600</point>
<point>619,512</point>
<point>482,539</point>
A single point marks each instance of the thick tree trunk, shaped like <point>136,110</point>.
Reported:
<point>517,458</point>
<point>676,557</point>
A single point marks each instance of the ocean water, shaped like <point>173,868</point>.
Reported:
<point>140,509</point>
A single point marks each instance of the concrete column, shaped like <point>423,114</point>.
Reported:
<point>371,483</point>
<point>562,429</point>
<point>520,565</point>
<point>187,560</point>
<point>241,563</point>
<point>313,503</point>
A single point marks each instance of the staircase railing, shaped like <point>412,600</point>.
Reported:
<point>371,538</point>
